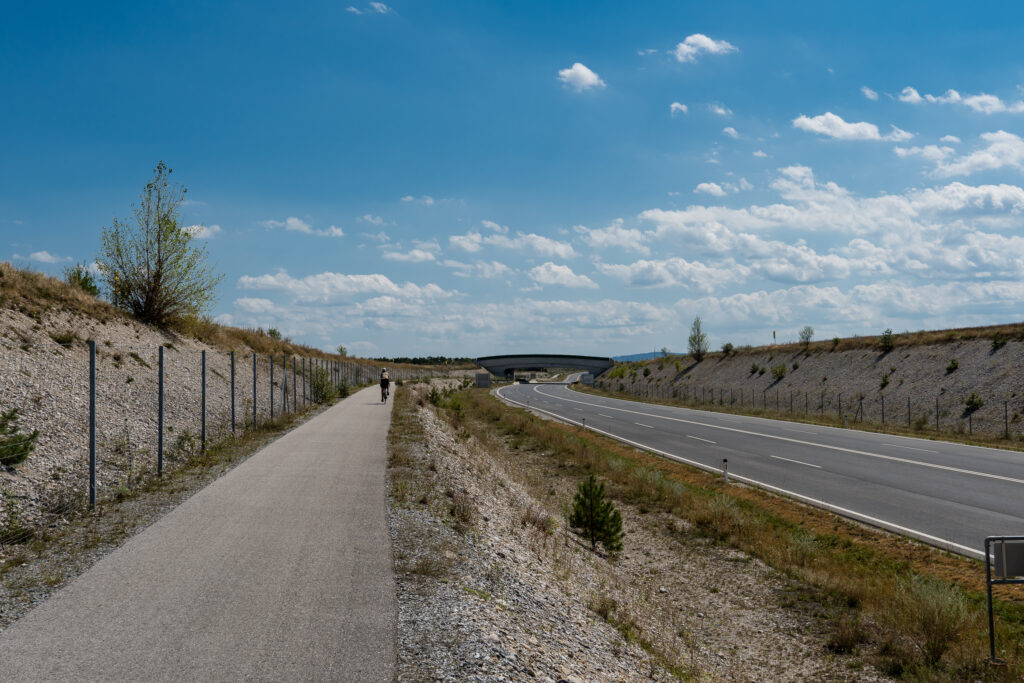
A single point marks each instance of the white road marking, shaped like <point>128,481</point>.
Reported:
<point>641,424</point>
<point>802,431</point>
<point>608,416</point>
<point>690,436</point>
<point>891,526</point>
<point>798,462</point>
<point>896,445</point>
<point>960,470</point>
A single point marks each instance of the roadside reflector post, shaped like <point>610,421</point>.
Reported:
<point>1004,563</point>
<point>725,469</point>
<point>584,423</point>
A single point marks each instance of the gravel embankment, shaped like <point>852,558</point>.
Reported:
<point>48,382</point>
<point>504,597</point>
<point>931,376</point>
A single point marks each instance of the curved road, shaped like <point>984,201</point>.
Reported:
<point>948,495</point>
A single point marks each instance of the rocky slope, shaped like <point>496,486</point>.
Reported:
<point>910,383</point>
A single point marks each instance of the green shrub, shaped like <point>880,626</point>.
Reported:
<point>727,348</point>
<point>79,276</point>
<point>647,372</point>
<point>14,447</point>
<point>322,387</point>
<point>973,402</point>
<point>274,333</point>
<point>754,367</point>
<point>998,341</point>
<point>935,615</point>
<point>953,365</point>
<point>779,371</point>
<point>596,516</point>
<point>887,341</point>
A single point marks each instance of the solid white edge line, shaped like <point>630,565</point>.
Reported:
<point>798,462</point>
<point>867,454</point>
<point>940,543</point>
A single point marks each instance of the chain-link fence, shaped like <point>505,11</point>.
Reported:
<point>94,420</point>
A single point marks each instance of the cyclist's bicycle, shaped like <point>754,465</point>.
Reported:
<point>385,389</point>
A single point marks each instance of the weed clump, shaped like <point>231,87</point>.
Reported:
<point>14,447</point>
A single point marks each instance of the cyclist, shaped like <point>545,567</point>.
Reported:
<point>385,382</point>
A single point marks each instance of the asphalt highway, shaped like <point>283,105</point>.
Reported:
<point>949,495</point>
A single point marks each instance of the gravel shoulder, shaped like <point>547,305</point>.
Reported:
<point>490,587</point>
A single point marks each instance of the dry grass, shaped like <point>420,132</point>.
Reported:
<point>916,611</point>
<point>35,294</point>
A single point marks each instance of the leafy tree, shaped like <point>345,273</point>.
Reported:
<point>79,276</point>
<point>596,516</point>
<point>698,341</point>
<point>806,335</point>
<point>14,447</point>
<point>342,351</point>
<point>151,267</point>
<point>727,348</point>
<point>274,333</point>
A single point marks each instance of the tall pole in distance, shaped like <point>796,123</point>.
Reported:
<point>92,423</point>
<point>160,413</point>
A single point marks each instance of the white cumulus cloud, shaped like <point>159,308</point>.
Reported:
<point>720,110</point>
<point>731,132</point>
<point>982,103</point>
<point>202,232</point>
<point>553,274</point>
<point>834,126</point>
<point>693,45</point>
<point>868,92</point>
<point>47,257</point>
<point>677,108</point>
<point>713,189</point>
<point>580,78</point>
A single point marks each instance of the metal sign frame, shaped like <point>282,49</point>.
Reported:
<point>1001,544</point>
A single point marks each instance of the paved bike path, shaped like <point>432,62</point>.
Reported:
<point>279,570</point>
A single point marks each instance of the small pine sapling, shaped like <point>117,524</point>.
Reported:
<point>596,516</point>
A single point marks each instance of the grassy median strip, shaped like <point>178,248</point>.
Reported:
<point>919,612</point>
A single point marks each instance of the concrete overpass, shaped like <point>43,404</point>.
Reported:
<point>531,362</point>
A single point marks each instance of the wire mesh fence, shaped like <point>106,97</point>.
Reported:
<point>94,421</point>
<point>961,413</point>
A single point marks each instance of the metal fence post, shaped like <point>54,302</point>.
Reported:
<point>92,423</point>
<point>284,384</point>
<point>232,393</point>
<point>254,417</point>
<point>883,410</point>
<point>1006,420</point>
<point>203,441</point>
<point>936,413</point>
<point>908,411</point>
<point>160,413</point>
<point>295,389</point>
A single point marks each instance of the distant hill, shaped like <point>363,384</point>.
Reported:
<point>640,356</point>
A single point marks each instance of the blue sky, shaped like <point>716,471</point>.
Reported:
<point>467,178</point>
